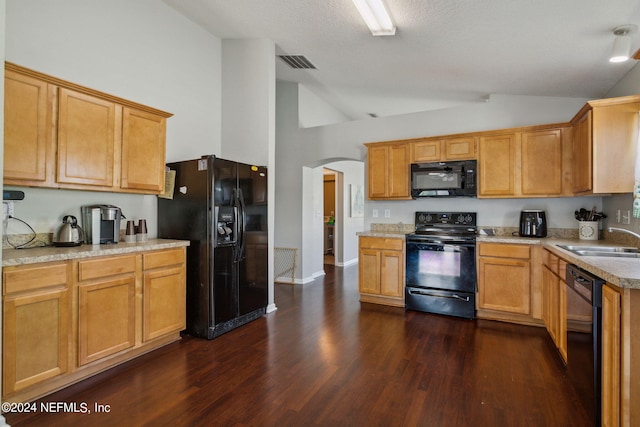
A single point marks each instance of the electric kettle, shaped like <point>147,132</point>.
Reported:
<point>69,233</point>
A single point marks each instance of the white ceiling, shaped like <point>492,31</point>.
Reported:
<point>445,52</point>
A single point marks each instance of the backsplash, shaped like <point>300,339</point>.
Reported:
<point>393,228</point>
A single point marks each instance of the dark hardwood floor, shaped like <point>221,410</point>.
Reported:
<point>325,359</point>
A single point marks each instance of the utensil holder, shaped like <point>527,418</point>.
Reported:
<point>588,230</point>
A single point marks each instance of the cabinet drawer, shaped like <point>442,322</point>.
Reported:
<point>162,258</point>
<point>92,269</point>
<point>34,277</point>
<point>382,243</point>
<point>505,250</point>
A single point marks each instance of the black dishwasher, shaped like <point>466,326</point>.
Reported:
<point>584,349</point>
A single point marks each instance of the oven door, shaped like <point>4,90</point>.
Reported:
<point>447,265</point>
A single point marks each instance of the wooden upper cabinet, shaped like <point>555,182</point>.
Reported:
<point>528,162</point>
<point>425,151</point>
<point>605,131</point>
<point>87,138</point>
<point>388,171</point>
<point>541,160</point>
<point>28,130</point>
<point>62,135</point>
<point>496,164</point>
<point>143,150</point>
<point>582,181</point>
<point>437,150</point>
<point>459,148</point>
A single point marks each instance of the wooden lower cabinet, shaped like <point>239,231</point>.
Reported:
<point>107,302</point>
<point>381,270</point>
<point>507,285</point>
<point>65,321</point>
<point>36,325</point>
<point>620,356</point>
<point>611,353</point>
<point>554,297</point>
<point>164,293</point>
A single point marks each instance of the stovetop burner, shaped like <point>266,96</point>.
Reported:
<point>446,224</point>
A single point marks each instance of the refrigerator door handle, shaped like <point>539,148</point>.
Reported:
<point>241,226</point>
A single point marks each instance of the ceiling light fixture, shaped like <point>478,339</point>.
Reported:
<point>622,43</point>
<point>376,17</point>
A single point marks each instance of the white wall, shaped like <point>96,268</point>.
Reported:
<point>248,96</point>
<point>139,50</point>
<point>628,85</point>
<point>314,111</point>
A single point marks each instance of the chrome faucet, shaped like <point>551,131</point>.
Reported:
<point>623,230</point>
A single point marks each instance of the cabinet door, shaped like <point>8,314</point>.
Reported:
<point>582,164</point>
<point>505,285</point>
<point>391,273</point>
<point>425,151</point>
<point>369,271</point>
<point>546,299</point>
<point>496,164</point>
<point>378,171</point>
<point>541,164</point>
<point>87,139</point>
<point>459,148</point>
<point>610,357</point>
<point>399,165</point>
<point>561,334</point>
<point>143,151</point>
<point>106,318</point>
<point>164,297</point>
<point>35,338</point>
<point>28,127</point>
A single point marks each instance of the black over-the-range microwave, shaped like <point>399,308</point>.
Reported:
<point>444,179</point>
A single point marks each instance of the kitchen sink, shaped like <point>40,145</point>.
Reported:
<point>607,251</point>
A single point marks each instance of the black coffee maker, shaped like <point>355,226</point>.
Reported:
<point>533,223</point>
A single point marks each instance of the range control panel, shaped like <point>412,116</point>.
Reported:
<point>451,218</point>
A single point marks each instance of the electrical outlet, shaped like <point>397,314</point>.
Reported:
<point>374,214</point>
<point>8,210</point>
<point>618,216</point>
<point>626,217</point>
<point>387,213</point>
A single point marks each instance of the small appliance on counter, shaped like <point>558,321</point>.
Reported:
<point>101,223</point>
<point>533,223</point>
<point>69,233</point>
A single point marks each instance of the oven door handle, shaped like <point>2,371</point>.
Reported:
<point>429,294</point>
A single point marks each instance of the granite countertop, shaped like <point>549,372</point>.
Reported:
<point>11,257</point>
<point>388,234</point>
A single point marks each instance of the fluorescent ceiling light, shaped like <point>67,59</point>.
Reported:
<point>376,17</point>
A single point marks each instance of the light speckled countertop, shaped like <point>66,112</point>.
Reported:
<point>12,257</point>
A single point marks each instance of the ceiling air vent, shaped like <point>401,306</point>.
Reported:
<point>297,61</point>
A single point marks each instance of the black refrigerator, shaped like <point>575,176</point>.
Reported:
<point>220,206</point>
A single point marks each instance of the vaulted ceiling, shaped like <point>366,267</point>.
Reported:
<point>444,53</point>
